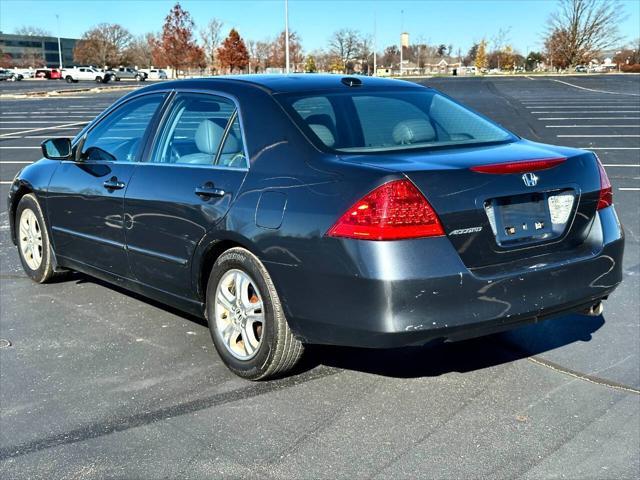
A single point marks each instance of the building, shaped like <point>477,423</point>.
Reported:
<point>35,51</point>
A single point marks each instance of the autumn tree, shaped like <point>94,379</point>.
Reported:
<point>104,44</point>
<point>233,52</point>
<point>176,46</point>
<point>211,35</point>
<point>481,56</point>
<point>580,29</point>
<point>31,57</point>
<point>470,57</point>
<point>278,51</point>
<point>310,65</point>
<point>391,57</point>
<point>554,46</point>
<point>344,45</point>
<point>32,31</point>
<point>508,58</point>
<point>259,52</point>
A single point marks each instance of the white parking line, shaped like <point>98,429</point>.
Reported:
<point>620,165</point>
<point>594,90</point>
<point>575,106</point>
<point>3,182</point>
<point>586,111</point>
<point>611,148</point>
<point>592,126</point>
<point>2,162</point>
<point>598,136</point>
<point>588,118</point>
<point>18,148</point>
<point>632,189</point>
<point>68,126</point>
<point>20,122</point>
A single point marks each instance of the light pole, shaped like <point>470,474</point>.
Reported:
<point>401,32</point>
<point>375,55</point>
<point>59,48</point>
<point>286,34</point>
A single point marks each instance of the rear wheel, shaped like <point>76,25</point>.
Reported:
<point>33,240</point>
<point>138,78</point>
<point>247,324</point>
<point>98,79</point>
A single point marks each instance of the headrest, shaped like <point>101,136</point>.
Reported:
<point>208,136</point>
<point>413,131</point>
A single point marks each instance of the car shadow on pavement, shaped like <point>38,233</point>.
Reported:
<point>438,358</point>
<point>431,360</point>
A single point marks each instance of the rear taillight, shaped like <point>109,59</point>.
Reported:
<point>519,166</point>
<point>606,192</point>
<point>393,211</point>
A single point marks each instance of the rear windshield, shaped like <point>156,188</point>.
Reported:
<point>367,121</point>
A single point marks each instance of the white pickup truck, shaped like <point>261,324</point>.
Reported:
<point>73,75</point>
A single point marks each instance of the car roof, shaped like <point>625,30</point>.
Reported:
<point>299,82</point>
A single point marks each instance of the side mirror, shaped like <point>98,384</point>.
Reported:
<point>57,148</point>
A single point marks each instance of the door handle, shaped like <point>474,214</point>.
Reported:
<point>208,191</point>
<point>113,184</point>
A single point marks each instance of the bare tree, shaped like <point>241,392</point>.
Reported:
<point>32,31</point>
<point>104,44</point>
<point>140,51</point>
<point>211,36</point>
<point>580,29</point>
<point>344,44</point>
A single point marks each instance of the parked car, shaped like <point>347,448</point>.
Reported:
<point>290,210</point>
<point>75,74</point>
<point>48,73</point>
<point>581,69</point>
<point>10,76</point>
<point>154,73</point>
<point>127,73</point>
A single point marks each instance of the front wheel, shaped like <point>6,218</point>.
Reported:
<point>247,324</point>
<point>33,240</point>
<point>69,79</point>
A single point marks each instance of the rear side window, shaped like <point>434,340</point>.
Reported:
<point>201,129</point>
<point>118,137</point>
<point>378,121</point>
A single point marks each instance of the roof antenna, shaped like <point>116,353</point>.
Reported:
<point>351,81</point>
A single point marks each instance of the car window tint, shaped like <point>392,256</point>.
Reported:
<point>379,117</point>
<point>232,153</point>
<point>194,130</point>
<point>118,137</point>
<point>319,115</point>
<point>389,121</point>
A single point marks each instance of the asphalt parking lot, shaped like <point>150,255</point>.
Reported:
<point>100,383</point>
<point>36,85</point>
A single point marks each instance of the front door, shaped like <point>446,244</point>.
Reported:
<point>86,196</point>
<point>184,189</point>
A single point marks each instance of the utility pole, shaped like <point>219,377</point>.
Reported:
<point>59,47</point>
<point>401,32</point>
<point>286,34</point>
<point>375,55</point>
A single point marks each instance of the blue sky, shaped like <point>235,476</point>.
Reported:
<point>457,22</point>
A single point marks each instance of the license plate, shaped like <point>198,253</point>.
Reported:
<point>525,217</point>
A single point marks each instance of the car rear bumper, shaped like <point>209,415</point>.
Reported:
<point>387,294</point>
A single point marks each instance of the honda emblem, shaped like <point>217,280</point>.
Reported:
<point>530,179</point>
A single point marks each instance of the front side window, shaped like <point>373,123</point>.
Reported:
<point>118,137</point>
<point>381,121</point>
<point>201,129</point>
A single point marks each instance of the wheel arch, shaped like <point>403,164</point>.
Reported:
<point>22,190</point>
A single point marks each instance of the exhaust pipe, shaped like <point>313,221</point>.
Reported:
<point>594,310</point>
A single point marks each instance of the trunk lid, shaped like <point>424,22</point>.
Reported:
<point>494,218</point>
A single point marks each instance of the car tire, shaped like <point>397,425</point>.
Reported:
<point>138,78</point>
<point>273,350</point>
<point>33,240</point>
<point>69,79</point>
<point>98,79</point>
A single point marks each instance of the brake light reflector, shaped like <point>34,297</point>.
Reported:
<point>606,192</point>
<point>393,211</point>
<point>519,167</point>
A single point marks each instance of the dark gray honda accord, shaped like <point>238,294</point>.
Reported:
<point>301,209</point>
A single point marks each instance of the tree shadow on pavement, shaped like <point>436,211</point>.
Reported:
<point>438,358</point>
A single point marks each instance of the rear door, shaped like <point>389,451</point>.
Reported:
<point>184,188</point>
<point>86,197</point>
